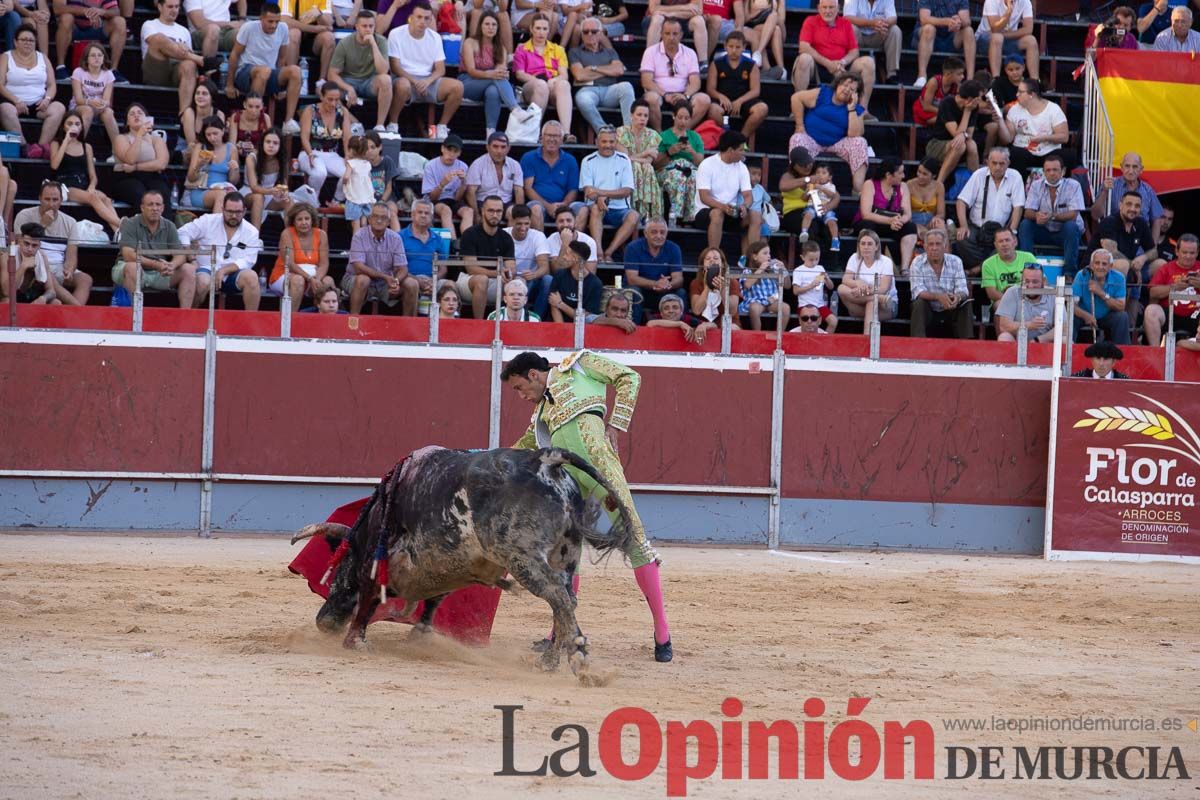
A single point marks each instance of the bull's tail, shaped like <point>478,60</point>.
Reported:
<point>620,536</point>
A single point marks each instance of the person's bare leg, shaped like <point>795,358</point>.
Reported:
<point>289,79</point>
<point>247,281</point>
<point>716,222</point>
<point>116,28</point>
<point>478,284</point>
<point>925,49</point>
<point>450,95</point>
<point>358,293</point>
<point>628,228</point>
<point>410,291</point>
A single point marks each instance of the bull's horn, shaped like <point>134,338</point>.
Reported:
<point>333,529</point>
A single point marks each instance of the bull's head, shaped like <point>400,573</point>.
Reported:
<point>344,583</point>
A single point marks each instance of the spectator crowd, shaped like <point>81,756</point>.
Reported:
<point>298,111</point>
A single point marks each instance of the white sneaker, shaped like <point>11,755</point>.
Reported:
<point>441,131</point>
<point>380,129</point>
<point>757,58</point>
<point>291,128</point>
<point>317,87</point>
<point>393,127</point>
<point>920,83</point>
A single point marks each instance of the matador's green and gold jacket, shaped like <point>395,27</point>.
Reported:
<point>578,386</point>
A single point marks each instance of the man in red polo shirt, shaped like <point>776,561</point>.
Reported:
<point>1180,275</point>
<point>827,41</point>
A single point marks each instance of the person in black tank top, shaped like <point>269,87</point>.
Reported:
<point>73,165</point>
<point>733,84</point>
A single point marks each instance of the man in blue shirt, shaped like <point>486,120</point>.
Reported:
<point>606,179</point>
<point>421,245</point>
<point>654,266</point>
<point>1100,299</point>
<point>551,175</point>
<point>1108,201</point>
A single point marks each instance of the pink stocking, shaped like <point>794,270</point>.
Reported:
<point>651,586</point>
<point>575,591</point>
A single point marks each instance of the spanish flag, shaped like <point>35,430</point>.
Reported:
<point>1153,101</point>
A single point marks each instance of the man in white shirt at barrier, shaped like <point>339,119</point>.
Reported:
<point>1039,309</point>
<point>418,59</point>
<point>237,244</point>
<point>723,191</point>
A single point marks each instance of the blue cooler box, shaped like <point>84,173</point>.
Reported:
<point>10,144</point>
<point>452,44</point>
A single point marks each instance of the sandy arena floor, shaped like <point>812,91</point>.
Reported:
<point>176,667</point>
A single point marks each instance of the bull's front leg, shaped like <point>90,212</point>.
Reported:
<point>368,602</point>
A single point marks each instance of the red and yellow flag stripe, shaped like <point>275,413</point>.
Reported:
<point>1153,102</point>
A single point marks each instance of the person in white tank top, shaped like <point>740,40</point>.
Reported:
<point>27,88</point>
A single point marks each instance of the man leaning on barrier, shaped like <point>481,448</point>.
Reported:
<point>148,230</point>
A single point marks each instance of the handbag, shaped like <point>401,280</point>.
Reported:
<point>524,124</point>
<point>770,217</point>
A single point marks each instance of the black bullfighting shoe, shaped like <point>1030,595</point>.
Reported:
<point>662,652</point>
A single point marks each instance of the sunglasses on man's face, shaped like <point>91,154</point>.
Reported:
<point>805,318</point>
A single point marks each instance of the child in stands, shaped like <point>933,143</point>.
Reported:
<point>925,107</point>
<point>810,282</point>
<point>823,185</point>
<point>356,183</point>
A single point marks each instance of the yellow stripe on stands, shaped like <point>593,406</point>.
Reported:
<point>1156,119</point>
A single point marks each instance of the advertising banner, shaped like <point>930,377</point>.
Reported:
<point>1123,471</point>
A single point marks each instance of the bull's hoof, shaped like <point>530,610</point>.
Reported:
<point>356,640</point>
<point>541,645</point>
<point>663,652</point>
<point>420,630</point>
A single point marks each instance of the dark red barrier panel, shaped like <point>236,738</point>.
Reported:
<point>339,415</point>
<point>1140,362</point>
<point>1127,461</point>
<point>915,439</point>
<point>691,426</point>
<point>88,408</point>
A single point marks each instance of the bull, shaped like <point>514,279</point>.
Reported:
<point>451,518</point>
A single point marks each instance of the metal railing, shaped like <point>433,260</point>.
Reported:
<point>1098,140</point>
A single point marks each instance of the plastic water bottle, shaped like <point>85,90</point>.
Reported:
<point>725,122</point>
<point>304,76</point>
<point>672,217</point>
<point>224,70</point>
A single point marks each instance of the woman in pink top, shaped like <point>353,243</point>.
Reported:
<point>541,69</point>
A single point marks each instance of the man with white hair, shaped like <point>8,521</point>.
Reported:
<point>1100,299</point>
<point>1179,38</point>
<point>828,45</point>
<point>516,295</point>
<point>596,71</point>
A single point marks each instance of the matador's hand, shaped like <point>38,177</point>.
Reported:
<point>610,433</point>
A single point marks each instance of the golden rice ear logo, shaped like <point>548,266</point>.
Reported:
<point>1146,423</point>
